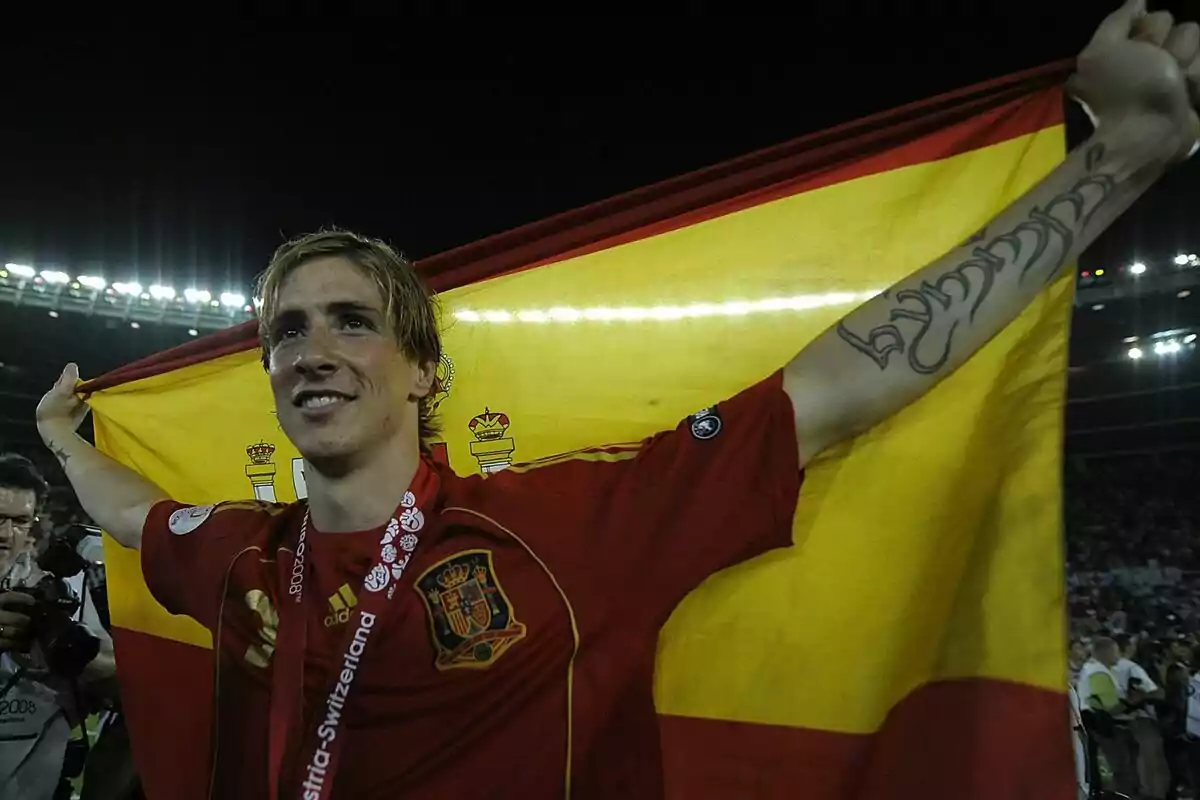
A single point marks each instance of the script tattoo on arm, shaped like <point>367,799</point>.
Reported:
<point>938,307</point>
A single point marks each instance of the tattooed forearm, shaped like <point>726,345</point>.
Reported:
<point>62,455</point>
<point>924,319</point>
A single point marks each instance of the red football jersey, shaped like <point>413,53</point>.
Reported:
<point>518,657</point>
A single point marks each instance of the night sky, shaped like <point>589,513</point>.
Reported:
<point>187,157</point>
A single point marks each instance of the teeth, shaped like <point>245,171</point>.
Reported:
<point>320,400</point>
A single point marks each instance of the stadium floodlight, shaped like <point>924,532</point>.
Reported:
<point>132,289</point>
<point>1182,260</point>
<point>1137,268</point>
<point>193,332</point>
<point>196,295</point>
<point>54,276</point>
<point>1135,353</point>
<point>1191,337</point>
<point>1169,347</point>
<point>232,299</point>
<point>92,282</point>
<point>20,270</point>
<point>160,292</point>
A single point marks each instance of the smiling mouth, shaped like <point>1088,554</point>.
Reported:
<point>319,400</point>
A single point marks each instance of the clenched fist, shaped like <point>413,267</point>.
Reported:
<point>60,410</point>
<point>1141,71</point>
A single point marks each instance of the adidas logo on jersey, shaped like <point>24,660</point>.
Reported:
<point>341,603</point>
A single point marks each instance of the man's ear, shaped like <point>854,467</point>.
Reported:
<point>426,375</point>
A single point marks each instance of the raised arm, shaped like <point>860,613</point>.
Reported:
<point>113,495</point>
<point>1139,77</point>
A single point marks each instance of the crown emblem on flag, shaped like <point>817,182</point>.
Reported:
<point>492,448</point>
<point>489,425</point>
<point>261,453</point>
<point>454,575</point>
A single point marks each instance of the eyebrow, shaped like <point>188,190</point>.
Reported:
<point>332,308</point>
<point>346,306</point>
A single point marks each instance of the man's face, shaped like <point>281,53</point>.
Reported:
<point>1078,653</point>
<point>1108,654</point>
<point>342,383</point>
<point>18,509</point>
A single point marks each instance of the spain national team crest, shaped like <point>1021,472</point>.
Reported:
<point>470,617</point>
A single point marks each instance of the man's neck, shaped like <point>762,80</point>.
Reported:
<point>363,497</point>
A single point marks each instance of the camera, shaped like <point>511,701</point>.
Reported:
<point>66,645</point>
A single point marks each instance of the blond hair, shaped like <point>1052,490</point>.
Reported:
<point>410,307</point>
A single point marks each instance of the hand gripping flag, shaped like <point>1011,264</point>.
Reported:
<point>910,645</point>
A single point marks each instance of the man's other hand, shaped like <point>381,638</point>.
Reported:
<point>1141,71</point>
<point>60,409</point>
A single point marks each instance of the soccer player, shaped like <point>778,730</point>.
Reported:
<point>409,633</point>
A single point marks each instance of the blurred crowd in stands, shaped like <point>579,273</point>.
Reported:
<point>1133,594</point>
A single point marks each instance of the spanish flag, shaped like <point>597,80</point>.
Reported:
<point>911,643</point>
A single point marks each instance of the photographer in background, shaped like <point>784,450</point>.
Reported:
<point>53,649</point>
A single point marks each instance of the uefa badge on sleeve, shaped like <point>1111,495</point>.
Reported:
<point>186,520</point>
<point>705,424</point>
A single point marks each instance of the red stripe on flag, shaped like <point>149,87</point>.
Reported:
<point>166,695</point>
<point>975,739</point>
<point>961,129</point>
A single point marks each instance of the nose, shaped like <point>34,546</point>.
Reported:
<point>315,359</point>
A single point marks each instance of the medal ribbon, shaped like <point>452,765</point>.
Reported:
<point>328,734</point>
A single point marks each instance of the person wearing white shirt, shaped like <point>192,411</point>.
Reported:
<point>1136,688</point>
<point>1099,693</point>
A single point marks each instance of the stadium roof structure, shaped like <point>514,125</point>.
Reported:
<point>57,291</point>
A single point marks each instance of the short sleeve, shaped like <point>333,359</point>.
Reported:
<point>717,490</point>
<point>187,550</point>
<point>1148,684</point>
